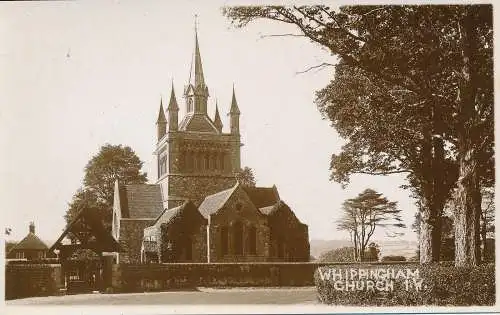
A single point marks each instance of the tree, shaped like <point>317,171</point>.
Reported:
<point>363,214</point>
<point>440,59</point>
<point>113,162</point>
<point>487,218</point>
<point>246,177</point>
<point>343,254</point>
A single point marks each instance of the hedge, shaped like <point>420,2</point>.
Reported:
<point>442,285</point>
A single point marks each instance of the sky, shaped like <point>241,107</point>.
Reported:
<point>78,75</point>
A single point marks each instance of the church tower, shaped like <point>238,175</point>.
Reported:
<point>195,156</point>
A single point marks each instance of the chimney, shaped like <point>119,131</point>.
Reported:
<point>32,227</point>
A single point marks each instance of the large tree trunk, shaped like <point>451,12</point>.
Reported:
<point>466,212</point>
<point>466,217</point>
<point>432,199</point>
<point>430,233</point>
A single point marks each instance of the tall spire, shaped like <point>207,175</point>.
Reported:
<point>172,104</point>
<point>161,122</point>
<point>161,113</point>
<point>196,72</point>
<point>234,105</point>
<point>173,111</point>
<point>217,120</point>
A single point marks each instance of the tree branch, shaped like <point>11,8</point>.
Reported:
<point>282,35</point>
<point>322,65</point>
<point>382,172</point>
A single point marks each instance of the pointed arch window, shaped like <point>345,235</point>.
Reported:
<point>237,238</point>
<point>252,240</point>
<point>224,240</point>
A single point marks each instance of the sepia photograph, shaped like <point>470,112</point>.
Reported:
<point>196,157</point>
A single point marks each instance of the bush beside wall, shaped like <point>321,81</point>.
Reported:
<point>443,284</point>
<point>25,280</point>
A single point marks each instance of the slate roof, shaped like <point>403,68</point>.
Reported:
<point>140,201</point>
<point>262,197</point>
<point>211,204</point>
<point>198,123</point>
<point>31,241</point>
<point>168,214</point>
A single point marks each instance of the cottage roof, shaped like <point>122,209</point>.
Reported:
<point>31,241</point>
<point>140,201</point>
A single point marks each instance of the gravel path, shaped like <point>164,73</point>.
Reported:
<point>302,295</point>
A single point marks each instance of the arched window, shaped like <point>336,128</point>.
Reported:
<point>188,250</point>
<point>252,240</point>
<point>224,240</point>
<point>213,162</point>
<point>221,161</point>
<point>238,238</point>
<point>207,161</point>
<point>190,159</point>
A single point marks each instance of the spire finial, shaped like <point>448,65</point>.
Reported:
<point>196,23</point>
<point>234,104</point>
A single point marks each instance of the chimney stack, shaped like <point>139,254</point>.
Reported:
<point>32,227</point>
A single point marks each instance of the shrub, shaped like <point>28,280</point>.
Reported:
<point>393,258</point>
<point>443,284</point>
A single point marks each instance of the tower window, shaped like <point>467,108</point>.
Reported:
<point>221,162</point>
<point>207,162</point>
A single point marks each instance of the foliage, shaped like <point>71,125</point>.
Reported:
<point>343,254</point>
<point>393,258</point>
<point>363,214</point>
<point>113,162</point>
<point>442,285</point>
<point>246,177</point>
<point>424,74</point>
<point>346,254</point>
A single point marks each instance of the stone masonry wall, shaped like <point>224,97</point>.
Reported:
<point>25,280</point>
<point>197,187</point>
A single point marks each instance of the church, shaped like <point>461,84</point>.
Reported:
<point>197,211</point>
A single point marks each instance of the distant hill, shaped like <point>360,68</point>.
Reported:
<point>387,248</point>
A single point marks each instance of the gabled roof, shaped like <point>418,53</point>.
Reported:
<point>169,214</point>
<point>197,122</point>
<point>262,196</point>
<point>211,204</point>
<point>90,218</point>
<point>31,241</point>
<point>140,201</point>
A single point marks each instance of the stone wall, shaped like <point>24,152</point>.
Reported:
<point>131,236</point>
<point>157,277</point>
<point>25,280</point>
<point>197,187</point>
